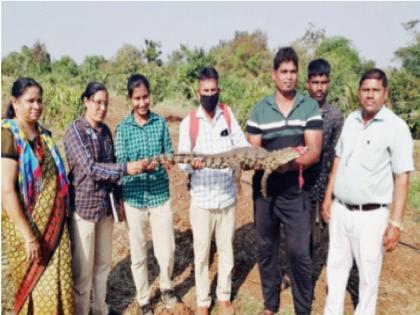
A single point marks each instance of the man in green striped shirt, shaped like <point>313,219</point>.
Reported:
<point>285,119</point>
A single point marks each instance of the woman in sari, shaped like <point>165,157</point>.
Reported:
<point>34,192</point>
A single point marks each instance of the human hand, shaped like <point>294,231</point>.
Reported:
<point>152,166</point>
<point>166,165</point>
<point>391,237</point>
<point>197,163</point>
<point>326,209</point>
<point>136,167</point>
<point>33,250</point>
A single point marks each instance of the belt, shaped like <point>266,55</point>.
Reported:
<point>365,207</point>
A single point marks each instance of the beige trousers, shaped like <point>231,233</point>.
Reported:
<point>204,222</point>
<point>91,262</point>
<point>161,223</point>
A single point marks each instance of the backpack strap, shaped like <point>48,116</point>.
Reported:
<point>193,128</point>
<point>226,114</point>
<point>194,123</point>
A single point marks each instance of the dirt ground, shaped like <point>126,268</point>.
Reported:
<point>400,281</point>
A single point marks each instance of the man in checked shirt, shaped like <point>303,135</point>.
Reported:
<point>213,193</point>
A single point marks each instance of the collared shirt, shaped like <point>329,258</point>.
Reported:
<point>279,132</point>
<point>332,124</point>
<point>134,142</point>
<point>211,188</point>
<point>90,156</point>
<point>370,154</point>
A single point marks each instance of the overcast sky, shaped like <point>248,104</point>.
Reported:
<point>78,29</point>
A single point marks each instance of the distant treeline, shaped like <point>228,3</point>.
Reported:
<point>244,64</point>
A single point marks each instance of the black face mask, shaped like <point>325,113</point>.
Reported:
<point>209,102</point>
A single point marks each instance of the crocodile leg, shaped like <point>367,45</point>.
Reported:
<point>264,181</point>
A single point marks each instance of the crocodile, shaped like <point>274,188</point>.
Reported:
<point>246,158</point>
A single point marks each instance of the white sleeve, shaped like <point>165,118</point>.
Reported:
<point>238,136</point>
<point>184,143</point>
<point>402,149</point>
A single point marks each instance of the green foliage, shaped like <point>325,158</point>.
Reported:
<point>247,54</point>
<point>152,52</point>
<point>346,69</point>
<point>187,63</point>
<point>62,104</point>
<point>66,66</point>
<point>244,63</point>
<point>404,96</point>
<point>28,62</point>
<point>410,55</point>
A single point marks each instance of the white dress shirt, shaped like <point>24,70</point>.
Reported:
<point>211,188</point>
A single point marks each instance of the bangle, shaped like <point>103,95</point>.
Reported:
<point>32,239</point>
<point>396,224</point>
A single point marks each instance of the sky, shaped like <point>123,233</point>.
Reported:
<point>79,29</point>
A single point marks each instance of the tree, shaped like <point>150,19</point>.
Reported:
<point>152,52</point>
<point>346,69</point>
<point>41,57</point>
<point>410,55</point>
<point>128,60</point>
<point>247,54</point>
<point>66,67</point>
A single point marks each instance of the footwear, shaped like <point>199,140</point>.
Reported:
<point>267,312</point>
<point>225,308</point>
<point>202,310</point>
<point>169,299</point>
<point>146,309</point>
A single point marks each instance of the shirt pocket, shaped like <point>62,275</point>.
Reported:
<point>373,156</point>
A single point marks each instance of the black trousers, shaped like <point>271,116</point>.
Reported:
<point>319,253</point>
<point>293,211</point>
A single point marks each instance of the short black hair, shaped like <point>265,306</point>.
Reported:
<point>376,74</point>
<point>285,54</point>
<point>136,80</point>
<point>208,73</point>
<point>319,67</point>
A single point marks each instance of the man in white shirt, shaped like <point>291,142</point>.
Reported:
<point>211,129</point>
<point>374,156</point>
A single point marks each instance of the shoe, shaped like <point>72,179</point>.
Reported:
<point>267,312</point>
<point>146,309</point>
<point>225,308</point>
<point>202,310</point>
<point>169,299</point>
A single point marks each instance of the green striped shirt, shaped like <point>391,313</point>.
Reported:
<point>134,142</point>
<point>278,131</point>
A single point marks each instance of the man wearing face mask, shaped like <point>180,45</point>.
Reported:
<point>211,129</point>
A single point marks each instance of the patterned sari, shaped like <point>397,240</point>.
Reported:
<point>43,287</point>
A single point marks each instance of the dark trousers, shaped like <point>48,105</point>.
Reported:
<point>319,253</point>
<point>293,211</point>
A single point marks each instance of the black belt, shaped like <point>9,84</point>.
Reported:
<point>365,207</point>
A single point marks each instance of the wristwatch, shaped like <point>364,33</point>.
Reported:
<point>397,224</point>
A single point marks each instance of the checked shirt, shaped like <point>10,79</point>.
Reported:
<point>333,122</point>
<point>211,188</point>
<point>93,171</point>
<point>134,142</point>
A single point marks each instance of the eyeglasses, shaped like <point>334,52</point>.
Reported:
<point>100,102</point>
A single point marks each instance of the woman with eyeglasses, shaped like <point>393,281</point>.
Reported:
<point>94,176</point>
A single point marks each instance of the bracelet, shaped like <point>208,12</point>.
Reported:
<point>32,239</point>
<point>397,224</point>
